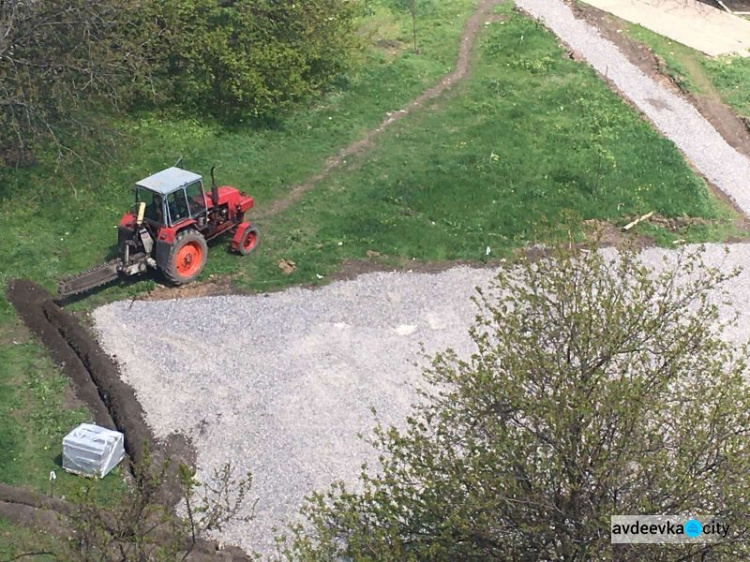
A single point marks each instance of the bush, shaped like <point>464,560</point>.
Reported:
<point>598,388</point>
<point>250,56</point>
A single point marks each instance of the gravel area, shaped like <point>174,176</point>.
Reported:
<point>677,119</point>
<point>282,384</point>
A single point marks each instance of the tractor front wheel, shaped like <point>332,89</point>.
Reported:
<point>249,240</point>
<point>187,258</point>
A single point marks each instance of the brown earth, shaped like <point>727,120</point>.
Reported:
<point>96,378</point>
<point>28,299</point>
<point>114,405</point>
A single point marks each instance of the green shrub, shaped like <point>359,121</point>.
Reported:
<point>250,56</point>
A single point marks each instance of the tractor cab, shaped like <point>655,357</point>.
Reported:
<point>171,197</point>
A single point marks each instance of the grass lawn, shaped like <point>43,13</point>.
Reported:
<point>531,141</point>
<point>16,541</point>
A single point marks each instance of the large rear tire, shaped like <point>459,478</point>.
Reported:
<point>187,258</point>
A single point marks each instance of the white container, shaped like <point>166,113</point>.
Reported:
<point>90,450</point>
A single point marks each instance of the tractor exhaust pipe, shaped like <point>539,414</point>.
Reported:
<point>214,189</point>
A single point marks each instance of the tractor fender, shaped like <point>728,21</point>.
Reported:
<point>239,233</point>
<point>165,240</point>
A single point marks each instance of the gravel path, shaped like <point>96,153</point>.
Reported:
<point>673,116</point>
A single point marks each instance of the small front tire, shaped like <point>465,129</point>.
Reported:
<point>249,241</point>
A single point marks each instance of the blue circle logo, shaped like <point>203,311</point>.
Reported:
<point>693,528</point>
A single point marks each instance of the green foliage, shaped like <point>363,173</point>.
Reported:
<point>61,60</point>
<point>250,56</point>
<point>70,64</point>
<point>599,387</point>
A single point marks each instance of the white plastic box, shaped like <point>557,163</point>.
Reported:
<point>90,450</point>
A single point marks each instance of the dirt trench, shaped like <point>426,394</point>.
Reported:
<point>113,403</point>
<point>94,374</point>
<point>96,379</point>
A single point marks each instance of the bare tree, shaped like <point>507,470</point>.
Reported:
<point>141,527</point>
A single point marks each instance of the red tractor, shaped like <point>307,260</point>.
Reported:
<point>169,227</point>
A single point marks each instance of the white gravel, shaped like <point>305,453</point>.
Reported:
<point>281,384</point>
<point>677,119</point>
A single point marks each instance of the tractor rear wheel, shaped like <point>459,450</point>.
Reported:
<point>187,258</point>
<point>249,240</point>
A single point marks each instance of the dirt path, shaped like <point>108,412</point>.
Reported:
<point>482,14</point>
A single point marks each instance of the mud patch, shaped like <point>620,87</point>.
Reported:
<point>215,286</point>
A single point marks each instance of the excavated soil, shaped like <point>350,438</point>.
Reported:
<point>96,378</point>
<point>28,299</point>
<point>112,402</point>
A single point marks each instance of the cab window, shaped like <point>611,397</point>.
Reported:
<point>196,201</point>
<point>178,207</point>
<point>154,204</point>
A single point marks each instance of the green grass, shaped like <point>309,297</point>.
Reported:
<point>34,418</point>
<point>532,141</point>
<point>16,541</point>
<point>731,78</point>
<point>727,77</point>
<point>58,221</point>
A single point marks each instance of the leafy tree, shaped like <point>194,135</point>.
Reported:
<point>65,65</point>
<point>58,60</point>
<point>598,387</point>
<point>251,56</point>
